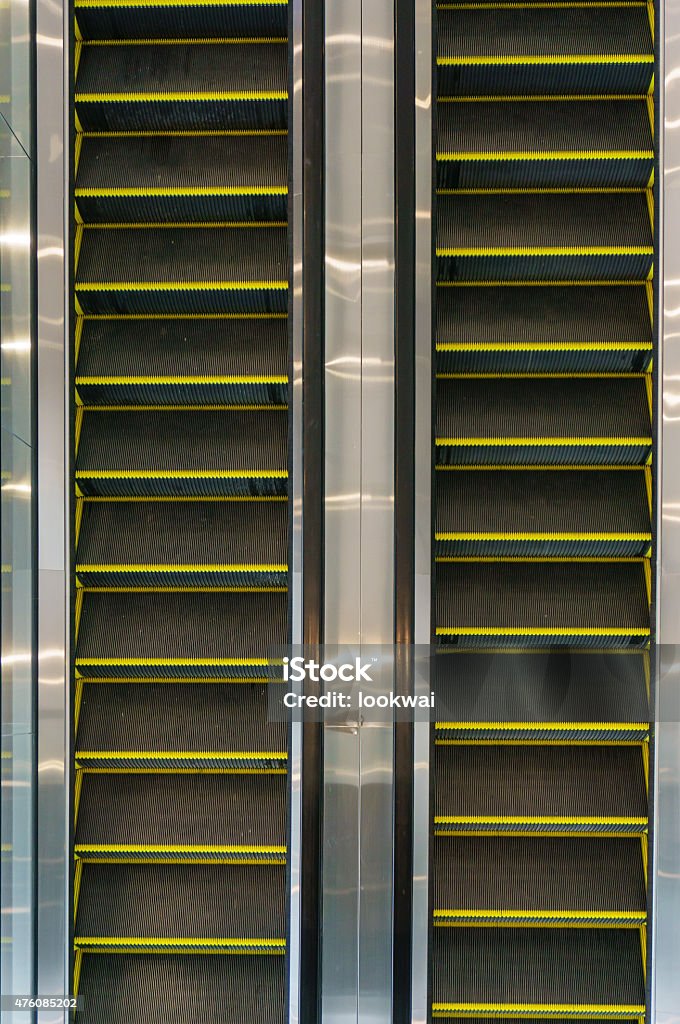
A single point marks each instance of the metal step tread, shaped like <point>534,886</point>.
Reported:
<point>493,34</point>
<point>120,724</point>
<point>542,597</point>
<point>183,164</point>
<point>527,879</point>
<point>540,788</point>
<point>559,970</point>
<point>180,627</point>
<point>218,906</point>
<point>534,409</point>
<point>182,257</point>
<point>539,504</point>
<point>170,815</point>
<point>561,690</point>
<point>121,535</point>
<point>561,128</point>
<point>177,988</point>
<point>189,19</point>
<point>241,69</point>
<point>578,223</point>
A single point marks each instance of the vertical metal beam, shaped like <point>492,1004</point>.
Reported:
<point>313,432</point>
<point>424,342</point>
<point>53,502</point>
<point>666,847</point>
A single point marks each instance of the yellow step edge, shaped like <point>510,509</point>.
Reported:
<point>86,848</point>
<point>169,662</point>
<point>545,536</point>
<point>216,190</point>
<point>543,155</point>
<point>255,755</point>
<point>536,820</point>
<point>184,316</point>
<point>544,1009</point>
<point>522,346</point>
<point>466,442</point>
<point>207,379</point>
<point>187,132</point>
<point>94,499</point>
<point>85,943</point>
<point>182,568</point>
<point>231,407</point>
<point>531,559</point>
<point>189,474</point>
<point>96,4</point>
<point>180,771</point>
<point>541,469</point>
<point>571,58</point>
<point>540,284</point>
<point>633,916</point>
<point>177,97</point>
<point>545,726</point>
<point>555,250</point>
<point>181,286</point>
<point>494,191</point>
<point>543,375</point>
<point>535,631</point>
<point>184,590</point>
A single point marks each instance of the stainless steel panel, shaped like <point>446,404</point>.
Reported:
<point>53,704</point>
<point>295,593</point>
<point>423,496</point>
<point>666,858</point>
<point>15,70</point>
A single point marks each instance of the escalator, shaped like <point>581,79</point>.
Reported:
<point>543,495</point>
<point>180,457</point>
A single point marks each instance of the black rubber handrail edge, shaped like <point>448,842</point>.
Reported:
<point>313,260</point>
<point>404,495</point>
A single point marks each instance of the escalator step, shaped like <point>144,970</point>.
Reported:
<point>190,451</point>
<point>542,236</point>
<point>175,360</point>
<point>589,328</point>
<point>182,633</point>
<point>182,85</point>
<point>126,906</point>
<point>539,788</point>
<point>558,694</point>
<point>544,603</point>
<point>543,421</point>
<point>190,19</point>
<point>194,988</point>
<point>529,880</point>
<point>528,50</point>
<point>189,815</point>
<point>193,543</point>
<point>536,512</point>
<point>167,269</point>
<point>552,144</point>
<point>202,725</point>
<point>183,177</point>
<point>590,972</point>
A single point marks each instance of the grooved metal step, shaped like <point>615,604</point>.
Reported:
<point>190,19</point>
<point>190,269</point>
<point>543,421</point>
<point>183,452</point>
<point>202,725</point>
<point>197,989</point>
<point>182,85</point>
<point>584,972</point>
<point>544,329</point>
<point>530,880</point>
<point>543,788</point>
<point>126,907</point>
<point>542,512</point>
<point>195,816</point>
<point>183,177</point>
<point>572,695</point>
<point>538,236</point>
<point>552,144</point>
<point>530,50</point>
<point>180,632</point>
<point>190,543</point>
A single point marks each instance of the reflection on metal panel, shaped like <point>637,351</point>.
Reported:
<point>51,156</point>
<point>666,985</point>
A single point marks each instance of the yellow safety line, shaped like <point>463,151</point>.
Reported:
<point>542,375</point>
<point>174,848</point>
<point>187,132</point>
<point>571,58</point>
<point>542,155</point>
<point>84,942</point>
<point>231,407</point>
<point>169,662</point>
<point>534,631</point>
<point>467,442</point>
<point>555,250</point>
<point>609,1010</point>
<point>530,6</point>
<point>634,916</point>
<point>184,590</point>
<point>256,755</point>
<point>531,559</point>
<point>123,317</point>
<point>545,536</point>
<point>177,97</point>
<point>536,820</point>
<point>545,346</point>
<point>96,4</point>
<point>208,379</point>
<point>193,474</point>
<point>157,770</point>
<point>181,286</point>
<point>540,468</point>
<point>181,568</point>
<point>216,190</point>
<point>545,726</point>
<point>77,878</point>
<point>224,498</point>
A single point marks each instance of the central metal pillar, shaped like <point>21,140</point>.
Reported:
<point>356,974</point>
